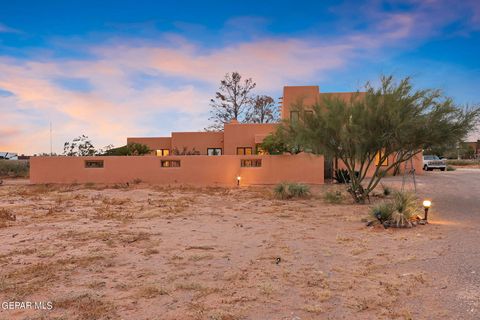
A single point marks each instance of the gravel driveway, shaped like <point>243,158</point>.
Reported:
<point>456,207</point>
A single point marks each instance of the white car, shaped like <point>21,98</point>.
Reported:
<point>434,162</point>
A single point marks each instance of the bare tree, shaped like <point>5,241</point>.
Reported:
<point>262,110</point>
<point>231,101</point>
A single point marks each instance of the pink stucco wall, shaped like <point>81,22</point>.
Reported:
<point>243,135</point>
<point>195,170</point>
<point>200,141</point>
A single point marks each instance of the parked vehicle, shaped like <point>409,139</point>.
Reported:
<point>8,156</point>
<point>431,162</point>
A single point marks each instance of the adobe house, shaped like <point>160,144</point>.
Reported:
<point>230,157</point>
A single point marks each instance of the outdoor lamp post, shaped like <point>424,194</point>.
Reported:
<point>426,205</point>
<point>238,181</point>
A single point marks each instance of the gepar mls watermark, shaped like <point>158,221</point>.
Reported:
<point>25,305</point>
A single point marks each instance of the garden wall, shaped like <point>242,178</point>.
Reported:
<point>195,170</point>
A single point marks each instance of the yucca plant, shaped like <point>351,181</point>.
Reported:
<point>382,211</point>
<point>405,206</point>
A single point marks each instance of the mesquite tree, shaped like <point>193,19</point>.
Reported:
<point>392,121</point>
<point>231,100</point>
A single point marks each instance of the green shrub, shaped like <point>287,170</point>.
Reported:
<point>287,190</point>
<point>14,168</point>
<point>463,162</point>
<point>333,197</point>
<point>450,168</point>
<point>382,211</point>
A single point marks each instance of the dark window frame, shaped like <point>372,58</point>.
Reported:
<point>168,163</point>
<point>250,163</point>
<point>244,151</point>
<point>94,164</point>
<point>221,151</point>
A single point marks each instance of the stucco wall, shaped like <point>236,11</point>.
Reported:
<point>201,141</point>
<point>243,135</point>
<point>196,170</point>
<point>292,95</point>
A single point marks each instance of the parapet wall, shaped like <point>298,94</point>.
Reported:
<point>195,170</point>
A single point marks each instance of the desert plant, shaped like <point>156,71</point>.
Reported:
<point>286,190</point>
<point>333,197</point>
<point>343,176</point>
<point>386,190</point>
<point>405,206</point>
<point>450,168</point>
<point>382,211</point>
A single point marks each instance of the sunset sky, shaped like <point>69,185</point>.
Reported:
<point>112,69</point>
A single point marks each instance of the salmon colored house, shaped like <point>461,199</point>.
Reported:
<point>230,157</point>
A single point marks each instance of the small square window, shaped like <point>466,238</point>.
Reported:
<point>244,151</point>
<point>93,164</point>
<point>214,151</point>
<point>170,163</point>
<point>250,163</point>
<point>162,152</point>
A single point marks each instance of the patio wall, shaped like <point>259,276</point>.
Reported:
<point>195,170</point>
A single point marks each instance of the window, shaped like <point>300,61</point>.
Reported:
<point>259,149</point>
<point>214,151</point>
<point>93,164</point>
<point>244,151</point>
<point>162,152</point>
<point>377,159</point>
<point>247,163</point>
<point>293,116</point>
<point>170,163</point>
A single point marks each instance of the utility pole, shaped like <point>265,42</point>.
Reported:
<point>51,150</point>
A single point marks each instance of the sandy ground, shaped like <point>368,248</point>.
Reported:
<point>146,252</point>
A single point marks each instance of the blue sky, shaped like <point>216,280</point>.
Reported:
<point>112,69</point>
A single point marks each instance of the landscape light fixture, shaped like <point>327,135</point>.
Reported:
<point>426,205</point>
<point>238,181</point>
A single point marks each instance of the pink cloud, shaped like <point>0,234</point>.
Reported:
<point>115,109</point>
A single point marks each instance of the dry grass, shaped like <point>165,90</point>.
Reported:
<point>107,252</point>
<point>87,306</point>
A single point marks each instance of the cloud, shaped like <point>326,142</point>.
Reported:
<point>6,29</point>
<point>130,87</point>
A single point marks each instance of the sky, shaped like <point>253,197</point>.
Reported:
<point>113,69</point>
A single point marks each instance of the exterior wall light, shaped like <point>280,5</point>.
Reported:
<point>238,180</point>
<point>426,205</point>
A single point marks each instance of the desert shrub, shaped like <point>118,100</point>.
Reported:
<point>450,168</point>
<point>398,212</point>
<point>386,190</point>
<point>287,190</point>
<point>14,168</point>
<point>343,176</point>
<point>333,197</point>
<point>463,162</point>
<point>382,211</point>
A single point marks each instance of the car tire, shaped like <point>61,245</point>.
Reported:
<point>425,168</point>
<point>442,169</point>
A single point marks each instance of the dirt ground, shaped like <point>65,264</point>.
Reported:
<point>150,252</point>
